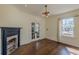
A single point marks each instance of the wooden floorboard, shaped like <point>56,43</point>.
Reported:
<point>44,47</point>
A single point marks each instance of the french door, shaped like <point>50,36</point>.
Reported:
<point>35,33</point>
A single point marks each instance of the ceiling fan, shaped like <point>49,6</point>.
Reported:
<point>46,12</point>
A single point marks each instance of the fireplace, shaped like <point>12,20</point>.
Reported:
<point>10,39</point>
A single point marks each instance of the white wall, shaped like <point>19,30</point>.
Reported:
<point>52,26</point>
<point>72,40</point>
<point>11,16</point>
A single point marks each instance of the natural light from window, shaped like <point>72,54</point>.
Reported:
<point>67,27</point>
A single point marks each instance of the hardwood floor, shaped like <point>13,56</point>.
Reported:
<point>45,47</point>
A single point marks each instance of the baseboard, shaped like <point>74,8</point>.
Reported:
<point>69,45</point>
<point>33,40</point>
<point>64,43</point>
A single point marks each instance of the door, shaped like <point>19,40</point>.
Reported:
<point>35,30</point>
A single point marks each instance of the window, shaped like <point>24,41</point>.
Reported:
<point>67,27</point>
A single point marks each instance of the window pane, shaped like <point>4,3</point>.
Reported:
<point>67,26</point>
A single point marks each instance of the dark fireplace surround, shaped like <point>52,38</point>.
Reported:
<point>10,39</point>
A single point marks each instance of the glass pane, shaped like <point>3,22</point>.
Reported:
<point>67,26</point>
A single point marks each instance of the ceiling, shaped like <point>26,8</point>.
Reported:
<point>54,9</point>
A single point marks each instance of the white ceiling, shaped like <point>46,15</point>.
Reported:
<point>54,9</point>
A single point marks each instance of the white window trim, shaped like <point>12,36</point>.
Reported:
<point>66,34</point>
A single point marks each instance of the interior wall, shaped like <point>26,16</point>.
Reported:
<point>72,40</point>
<point>11,16</point>
<point>53,28</point>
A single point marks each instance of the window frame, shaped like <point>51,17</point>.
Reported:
<point>66,33</point>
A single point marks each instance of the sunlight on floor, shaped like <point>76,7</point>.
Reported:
<point>73,51</point>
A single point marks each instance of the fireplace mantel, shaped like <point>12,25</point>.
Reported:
<point>9,39</point>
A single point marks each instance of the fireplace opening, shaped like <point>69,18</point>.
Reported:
<point>11,41</point>
<point>11,44</point>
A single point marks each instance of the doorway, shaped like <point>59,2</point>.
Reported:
<point>35,33</point>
